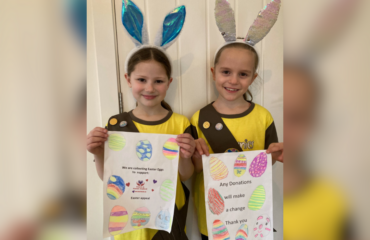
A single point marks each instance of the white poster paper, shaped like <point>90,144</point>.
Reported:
<point>140,179</point>
<point>238,195</point>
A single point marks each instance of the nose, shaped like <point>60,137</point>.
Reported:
<point>233,79</point>
<point>260,226</point>
<point>149,87</point>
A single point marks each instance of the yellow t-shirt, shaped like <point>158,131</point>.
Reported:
<point>174,124</point>
<point>253,130</point>
<point>318,211</point>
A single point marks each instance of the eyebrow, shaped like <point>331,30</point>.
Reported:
<point>226,68</point>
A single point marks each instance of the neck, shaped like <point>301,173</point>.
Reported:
<point>147,112</point>
<point>231,107</point>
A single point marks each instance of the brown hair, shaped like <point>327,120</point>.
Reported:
<point>242,46</point>
<point>155,54</point>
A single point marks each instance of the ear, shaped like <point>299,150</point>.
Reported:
<point>213,70</point>
<point>128,80</point>
<point>170,81</point>
<point>133,21</point>
<point>225,20</point>
<point>263,23</point>
<point>254,77</point>
<point>171,28</point>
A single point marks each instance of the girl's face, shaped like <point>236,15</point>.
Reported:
<point>234,73</point>
<point>149,83</point>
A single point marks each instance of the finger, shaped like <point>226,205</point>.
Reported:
<point>183,140</point>
<point>204,148</point>
<point>186,154</point>
<point>186,146</point>
<point>199,148</point>
<point>93,146</point>
<point>96,139</point>
<point>100,129</point>
<point>98,134</point>
<point>184,135</point>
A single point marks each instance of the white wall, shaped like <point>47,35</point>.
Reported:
<point>192,87</point>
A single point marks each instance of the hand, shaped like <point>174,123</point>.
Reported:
<point>187,145</point>
<point>277,151</point>
<point>96,139</point>
<point>201,148</point>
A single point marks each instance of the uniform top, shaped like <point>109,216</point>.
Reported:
<point>253,129</point>
<point>174,124</point>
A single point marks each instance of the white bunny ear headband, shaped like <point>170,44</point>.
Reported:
<point>133,21</point>
<point>261,26</point>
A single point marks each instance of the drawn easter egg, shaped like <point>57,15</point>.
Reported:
<point>218,169</point>
<point>257,199</point>
<point>117,220</point>
<point>170,149</point>
<point>140,217</point>
<point>115,188</point>
<point>216,202</point>
<point>116,142</point>
<point>219,231</point>
<point>262,228</point>
<point>163,220</point>
<point>144,150</point>
<point>167,190</point>
<point>240,165</point>
<point>258,165</point>
<point>242,233</point>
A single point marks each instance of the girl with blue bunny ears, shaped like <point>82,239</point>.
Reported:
<point>148,74</point>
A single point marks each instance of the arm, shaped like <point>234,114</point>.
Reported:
<point>201,148</point>
<point>95,145</point>
<point>187,146</point>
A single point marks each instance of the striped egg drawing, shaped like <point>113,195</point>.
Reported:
<point>117,220</point>
<point>219,231</point>
<point>240,165</point>
<point>144,150</point>
<point>140,217</point>
<point>257,198</point>
<point>216,202</point>
<point>115,187</point>
<point>170,149</point>
<point>167,190</point>
<point>218,169</point>
<point>258,165</point>
<point>116,142</point>
<point>242,233</point>
<point>262,228</point>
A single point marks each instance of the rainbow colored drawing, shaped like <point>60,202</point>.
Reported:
<point>218,169</point>
<point>240,165</point>
<point>242,233</point>
<point>117,220</point>
<point>116,187</point>
<point>140,217</point>
<point>219,231</point>
<point>170,149</point>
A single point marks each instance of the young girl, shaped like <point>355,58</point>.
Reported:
<point>231,123</point>
<point>149,77</point>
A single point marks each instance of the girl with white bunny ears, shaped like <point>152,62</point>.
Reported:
<point>232,123</point>
<point>148,73</point>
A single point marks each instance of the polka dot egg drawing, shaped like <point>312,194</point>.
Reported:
<point>144,150</point>
<point>262,228</point>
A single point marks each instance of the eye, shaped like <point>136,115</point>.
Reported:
<point>256,223</point>
<point>141,80</point>
<point>160,216</point>
<point>243,74</point>
<point>167,219</point>
<point>159,81</point>
<point>226,72</point>
<point>266,224</point>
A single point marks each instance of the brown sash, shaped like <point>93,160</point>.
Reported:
<point>179,217</point>
<point>219,140</point>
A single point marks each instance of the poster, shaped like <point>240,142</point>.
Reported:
<point>238,195</point>
<point>140,179</point>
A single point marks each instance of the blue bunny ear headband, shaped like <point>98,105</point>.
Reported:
<point>133,21</point>
<point>261,26</point>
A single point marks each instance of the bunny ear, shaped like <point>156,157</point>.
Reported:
<point>172,26</point>
<point>133,21</point>
<point>225,20</point>
<point>263,23</point>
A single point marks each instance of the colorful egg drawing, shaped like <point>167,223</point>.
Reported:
<point>167,190</point>
<point>163,220</point>
<point>242,233</point>
<point>140,217</point>
<point>115,188</point>
<point>262,228</point>
<point>116,142</point>
<point>258,165</point>
<point>218,169</point>
<point>257,199</point>
<point>216,202</point>
<point>219,231</point>
<point>240,165</point>
<point>144,150</point>
<point>230,150</point>
<point>117,220</point>
<point>170,149</point>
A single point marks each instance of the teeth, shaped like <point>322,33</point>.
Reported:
<point>231,89</point>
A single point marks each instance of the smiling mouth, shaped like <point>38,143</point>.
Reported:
<point>231,89</point>
<point>149,97</point>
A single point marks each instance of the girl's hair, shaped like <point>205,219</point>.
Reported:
<point>146,54</point>
<point>242,46</point>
